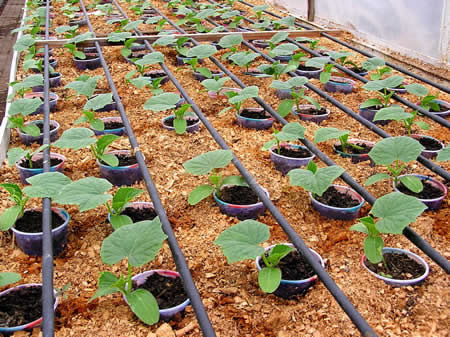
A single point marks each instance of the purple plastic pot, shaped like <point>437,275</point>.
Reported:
<point>52,100</point>
<point>54,81</point>
<point>164,314</point>
<point>338,213</point>
<point>26,173</point>
<point>400,283</point>
<point>432,204</point>
<point>309,73</point>
<point>356,158</point>
<point>155,74</point>
<point>444,105</point>
<point>369,114</point>
<point>222,92</point>
<point>335,85</point>
<point>241,212</point>
<point>91,62</point>
<point>284,93</point>
<point>90,50</point>
<point>135,205</point>
<point>253,123</point>
<point>28,139</point>
<point>430,154</point>
<point>31,243</point>
<point>285,164</point>
<point>200,77</point>
<point>117,132</point>
<point>121,175</point>
<point>108,107</point>
<point>260,44</point>
<point>307,117</point>
<point>180,60</point>
<point>190,128</point>
<point>289,288</point>
<point>8,331</point>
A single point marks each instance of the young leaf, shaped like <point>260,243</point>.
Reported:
<point>215,85</point>
<point>15,154</point>
<point>291,131</point>
<point>162,102</point>
<point>269,279</point>
<point>243,58</point>
<point>24,106</point>
<point>285,107</point>
<point>9,216</point>
<point>123,196</point>
<point>144,306</point>
<point>8,278</point>
<point>84,85</point>
<point>206,162</point>
<point>318,182</point>
<point>106,285</point>
<point>199,193</point>
<point>324,134</point>
<point>395,113</point>
<point>373,247</point>
<point>180,125</point>
<point>152,58</point>
<point>118,221</point>
<point>75,138</point>
<point>376,178</point>
<point>234,180</point>
<point>283,49</point>
<point>231,40</point>
<point>46,185</point>
<point>373,63</point>
<point>444,154</point>
<point>279,37</point>
<point>118,36</point>
<point>24,43</point>
<point>277,253</point>
<point>388,150</point>
<point>202,51</point>
<point>98,102</point>
<point>417,89</point>
<point>371,102</point>
<point>413,183</point>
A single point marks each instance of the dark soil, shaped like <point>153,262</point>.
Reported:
<point>124,160</point>
<point>190,121</point>
<point>357,70</point>
<point>89,56</point>
<point>155,74</point>
<point>332,197</point>
<point>21,307</point>
<point>31,222</point>
<point>305,68</point>
<point>293,152</point>
<point>53,75</point>
<point>255,114</point>
<point>239,195</point>
<point>430,144</point>
<point>428,192</point>
<point>399,266</point>
<point>41,127</point>
<point>352,150</point>
<point>293,267</point>
<point>313,111</point>
<point>139,214</point>
<point>39,163</point>
<point>169,292</point>
<point>111,125</point>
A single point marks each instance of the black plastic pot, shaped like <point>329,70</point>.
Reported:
<point>28,140</point>
<point>91,62</point>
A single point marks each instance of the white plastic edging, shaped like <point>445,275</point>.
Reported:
<point>4,131</point>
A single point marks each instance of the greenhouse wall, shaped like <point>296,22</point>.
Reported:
<point>414,27</point>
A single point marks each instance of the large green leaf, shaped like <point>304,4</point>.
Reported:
<point>208,161</point>
<point>15,154</point>
<point>324,134</point>
<point>269,279</point>
<point>373,63</point>
<point>8,278</point>
<point>25,42</point>
<point>246,93</point>
<point>46,185</point>
<point>84,85</point>
<point>144,306</point>
<point>243,58</point>
<point>152,58</point>
<point>215,84</point>
<point>87,193</point>
<point>24,106</point>
<point>417,89</point>
<point>279,37</point>
<point>318,182</point>
<point>106,284</point>
<point>395,211</point>
<point>118,36</point>
<point>283,49</point>
<point>132,25</point>
<point>202,51</point>
<point>291,131</point>
<point>98,102</point>
<point>395,113</point>
<point>139,243</point>
<point>9,217</point>
<point>373,246</point>
<point>162,102</point>
<point>388,150</point>
<point>229,41</point>
<point>80,38</point>
<point>199,193</point>
<point>241,241</point>
<point>390,82</point>
<point>123,196</point>
<point>444,154</point>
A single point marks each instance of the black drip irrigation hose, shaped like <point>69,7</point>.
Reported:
<point>409,233</point>
<point>345,44</point>
<point>180,262</point>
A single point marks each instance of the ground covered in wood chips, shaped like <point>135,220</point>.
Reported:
<point>235,304</point>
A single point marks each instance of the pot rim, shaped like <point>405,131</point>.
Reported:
<point>272,150</point>
<point>350,209</point>
<point>60,211</point>
<point>40,121</point>
<point>118,167</point>
<point>418,136</point>
<point>295,112</point>
<point>185,118</point>
<point>345,79</point>
<point>37,156</point>
<point>442,187</point>
<point>354,140</point>
<point>40,94</point>
<point>112,118</point>
<point>238,115</point>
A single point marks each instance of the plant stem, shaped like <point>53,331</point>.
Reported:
<point>129,277</point>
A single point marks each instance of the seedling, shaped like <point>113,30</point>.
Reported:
<point>276,39</point>
<point>158,20</point>
<point>208,163</point>
<point>241,242</point>
<point>96,103</point>
<point>153,83</point>
<point>231,42</point>
<point>8,278</point>
<point>427,101</point>
<point>106,9</point>
<point>144,63</point>
<point>313,44</point>
<point>391,152</point>
<point>180,123</point>
<point>138,9</point>
<point>286,22</point>
<point>84,85</point>
<point>72,45</point>
<point>395,211</point>
<point>313,179</point>
<point>397,113</point>
<point>262,24</point>
<point>324,134</point>
<point>283,50</point>
<point>69,31</point>
<point>200,52</point>
<point>69,10</point>
<point>238,98</point>
<point>377,64</point>
<point>322,62</point>
<point>163,102</point>
<point>139,244</point>
<point>382,88</point>
<point>22,107</point>
<point>25,86</point>
<point>276,69</point>
<point>16,153</point>
<point>341,58</point>
<point>258,10</point>
<point>244,59</point>
<point>214,84</point>
<point>289,132</point>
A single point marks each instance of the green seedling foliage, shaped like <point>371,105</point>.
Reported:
<point>7,278</point>
<point>231,42</point>
<point>289,132</point>
<point>428,102</point>
<point>71,45</point>
<point>16,153</point>
<point>444,154</point>
<point>24,106</point>
<point>258,10</point>
<point>84,85</point>
<point>397,113</point>
<point>215,84</point>
<point>283,49</point>
<point>162,102</point>
<point>118,203</point>
<point>276,69</point>
<point>377,64</point>
<point>324,134</point>
<point>149,59</point>
<point>28,82</point>
<point>180,123</point>
<point>341,58</point>
<point>287,21</point>
<point>89,116</point>
<point>68,31</point>
<point>25,42</point>
<point>382,88</point>
<point>244,59</point>
<point>237,98</point>
<point>125,51</point>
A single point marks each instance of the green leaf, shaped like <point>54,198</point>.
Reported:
<point>164,41</point>
<point>246,93</point>
<point>199,193</point>
<point>205,72</point>
<point>269,279</point>
<point>373,247</point>
<point>376,178</point>
<point>118,36</point>
<point>15,154</point>
<point>243,58</point>
<point>46,185</point>
<point>162,102</point>
<point>234,180</point>
<point>283,49</point>
<point>106,284</point>
<point>98,102</point>
<point>396,113</point>
<point>84,85</point>
<point>359,227</point>
<point>241,241</point>
<point>316,183</point>
<point>75,138</point>
<point>109,159</point>
<point>141,82</point>
<point>180,125</point>
<point>8,278</point>
<point>118,221</point>
<point>324,134</point>
<point>396,210</point>
<point>285,107</point>
<point>291,131</point>
<point>373,63</point>
<point>144,306</point>
<point>97,124</point>
<point>9,216</point>
<point>277,253</point>
<point>25,42</point>
<point>80,38</point>
<point>123,196</point>
<point>279,37</point>
<point>417,89</point>
<point>388,150</point>
<point>422,125</point>
<point>152,58</point>
<point>139,243</point>
<point>390,82</point>
<point>444,154</point>
<point>31,129</point>
<point>87,193</point>
<point>24,106</point>
<point>371,102</point>
<point>202,51</point>
<point>412,183</point>
<point>206,162</point>
<point>215,85</point>
<point>231,40</point>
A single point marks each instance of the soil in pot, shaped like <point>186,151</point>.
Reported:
<point>313,111</point>
<point>293,152</point>
<point>333,197</point>
<point>305,68</point>
<point>238,195</point>
<point>293,266</point>
<point>31,222</point>
<point>168,292</point>
<point>398,266</point>
<point>189,121</point>
<point>21,306</point>
<point>430,144</point>
<point>351,150</point>
<point>112,125</point>
<point>255,114</point>
<point>124,160</point>
<point>39,163</point>
<point>428,192</point>
<point>89,56</point>
<point>139,214</point>
<point>358,70</point>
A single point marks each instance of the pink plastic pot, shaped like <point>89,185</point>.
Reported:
<point>335,85</point>
<point>430,154</point>
<point>254,123</point>
<point>190,128</point>
<point>28,139</point>
<point>121,175</point>
<point>307,117</point>
<point>26,173</point>
<point>285,164</point>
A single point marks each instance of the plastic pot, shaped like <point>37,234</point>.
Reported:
<point>117,132</point>
<point>52,100</point>
<point>78,20</point>
<point>399,90</point>
<point>121,175</point>
<point>430,154</point>
<point>31,243</point>
<point>289,288</point>
<point>285,164</point>
<point>260,44</point>
<point>222,92</point>
<point>26,173</point>
<point>180,60</point>
<point>54,81</point>
<point>241,212</point>
<point>283,58</point>
<point>108,107</point>
<point>307,117</point>
<point>164,314</point>
<point>7,331</point>
<point>135,205</point>
<point>339,84</point>
<point>155,74</point>
<point>356,158</point>
<point>190,128</point>
<point>338,213</point>
<point>310,73</point>
<point>200,77</point>
<point>445,106</point>
<point>28,139</point>
<point>369,114</point>
<point>91,62</point>
<point>253,123</point>
<point>400,283</point>
<point>149,11</point>
<point>432,204</point>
